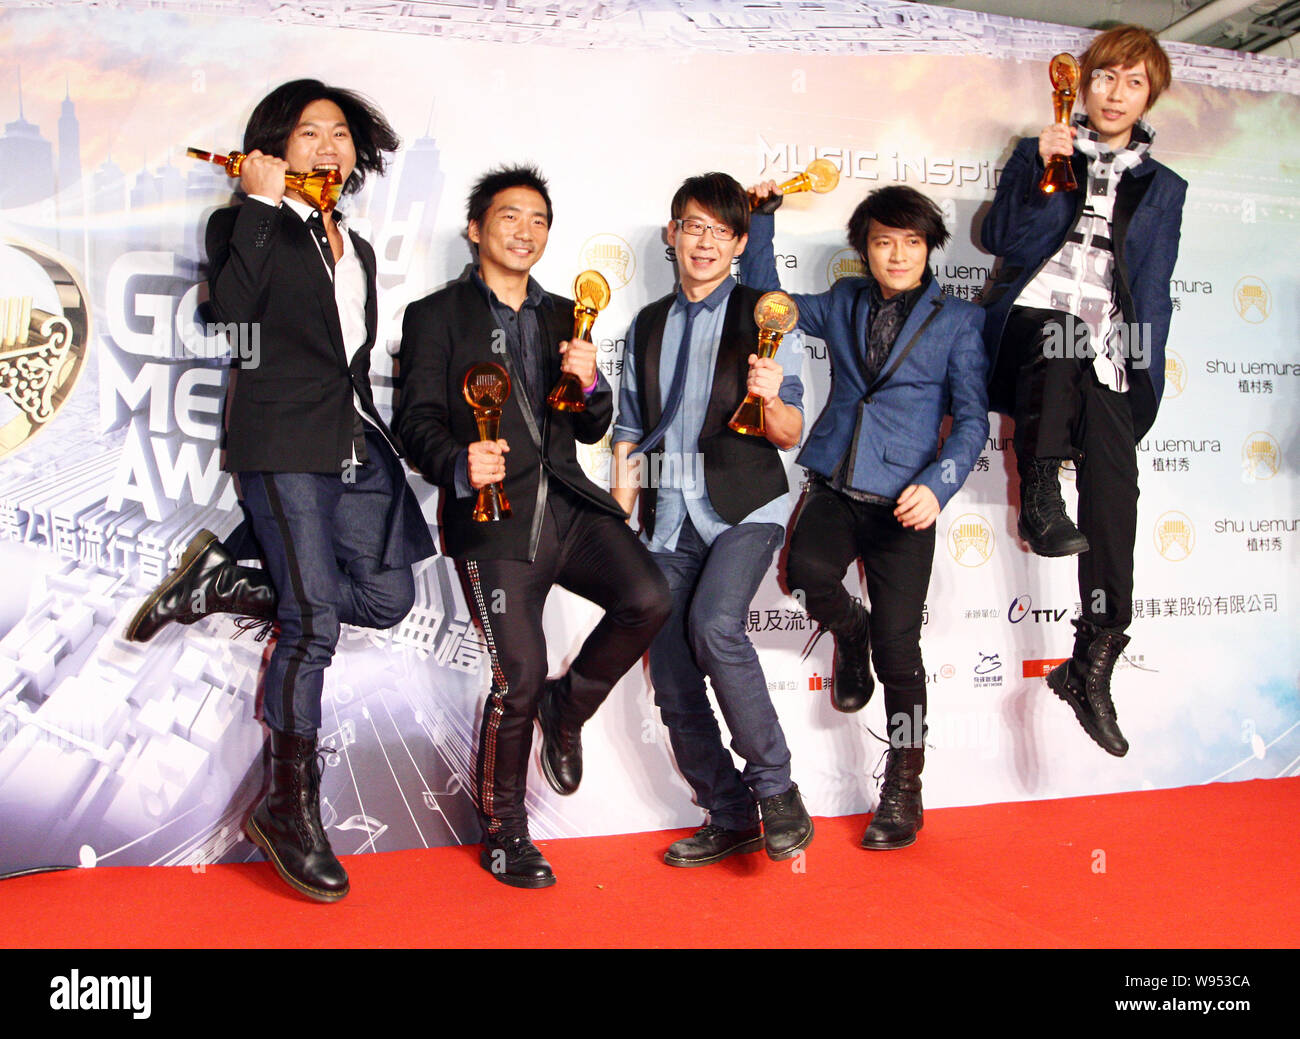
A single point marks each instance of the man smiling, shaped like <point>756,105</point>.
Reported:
<point>902,355</point>
<point>1076,328</point>
<point>564,530</point>
<point>317,468</point>
<point>713,527</point>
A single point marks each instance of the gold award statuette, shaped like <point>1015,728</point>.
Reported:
<point>487,388</point>
<point>1064,74</point>
<point>590,296</point>
<point>820,175</point>
<point>776,314</point>
<point>323,187</point>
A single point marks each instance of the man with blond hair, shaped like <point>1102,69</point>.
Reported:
<point>1075,330</point>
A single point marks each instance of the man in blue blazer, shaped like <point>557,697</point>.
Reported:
<point>1076,325</point>
<point>903,355</point>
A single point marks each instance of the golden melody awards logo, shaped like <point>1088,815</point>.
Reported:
<point>611,255</point>
<point>1252,299</point>
<point>1175,536</point>
<point>1261,456</point>
<point>845,264</point>
<point>1175,375</point>
<point>970,540</point>
<point>44,334</point>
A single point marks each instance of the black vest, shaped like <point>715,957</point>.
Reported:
<point>741,473</point>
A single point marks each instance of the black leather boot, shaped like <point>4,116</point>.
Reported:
<point>787,827</point>
<point>899,814</point>
<point>711,844</point>
<point>206,581</point>
<point>1083,682</point>
<point>514,859</point>
<point>1043,522</point>
<point>561,743</point>
<point>287,824</point>
<point>851,681</point>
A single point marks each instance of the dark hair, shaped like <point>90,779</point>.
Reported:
<point>901,207</point>
<point>493,182</point>
<point>278,113</point>
<point>720,194</point>
<point>1125,46</point>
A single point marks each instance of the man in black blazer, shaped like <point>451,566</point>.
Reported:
<point>317,469</point>
<point>564,530</point>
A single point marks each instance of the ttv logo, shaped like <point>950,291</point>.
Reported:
<point>1019,608</point>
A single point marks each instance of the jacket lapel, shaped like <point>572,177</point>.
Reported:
<point>310,258</point>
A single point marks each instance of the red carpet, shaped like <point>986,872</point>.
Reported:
<point>1201,866</point>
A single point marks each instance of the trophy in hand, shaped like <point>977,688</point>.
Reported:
<point>820,175</point>
<point>776,314</point>
<point>323,187</point>
<point>487,388</point>
<point>590,296</point>
<point>1064,74</point>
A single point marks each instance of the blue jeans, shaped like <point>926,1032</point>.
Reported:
<point>323,542</point>
<point>712,587</point>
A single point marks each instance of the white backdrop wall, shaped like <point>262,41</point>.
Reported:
<point>125,754</point>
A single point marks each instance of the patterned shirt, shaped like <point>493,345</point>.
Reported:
<point>1080,278</point>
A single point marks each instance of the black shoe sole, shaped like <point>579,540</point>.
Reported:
<point>906,842</point>
<point>193,551</point>
<point>522,882</point>
<point>848,710</point>
<point>1058,686</point>
<point>744,848</point>
<point>789,853</point>
<point>255,834</point>
<point>1072,547</point>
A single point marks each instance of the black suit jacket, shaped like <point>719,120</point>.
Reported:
<point>292,410</point>
<point>443,336</point>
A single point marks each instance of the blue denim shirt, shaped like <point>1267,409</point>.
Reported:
<point>681,488</point>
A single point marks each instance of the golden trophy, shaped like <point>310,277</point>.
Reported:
<point>323,187</point>
<point>820,175</point>
<point>776,314</point>
<point>590,296</point>
<point>486,389</point>
<point>1064,74</point>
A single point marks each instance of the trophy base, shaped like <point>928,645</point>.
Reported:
<point>748,419</point>
<point>568,394</point>
<point>491,505</point>
<point>568,405</point>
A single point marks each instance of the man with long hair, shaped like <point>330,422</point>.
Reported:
<point>1076,328</point>
<point>317,468</point>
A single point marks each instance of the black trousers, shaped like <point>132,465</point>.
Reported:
<point>830,531</point>
<point>591,553</point>
<point>1063,411</point>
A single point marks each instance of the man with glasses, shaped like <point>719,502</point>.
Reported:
<point>714,504</point>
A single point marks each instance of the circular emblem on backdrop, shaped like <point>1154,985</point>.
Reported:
<point>44,335</point>
<point>1261,456</point>
<point>1019,608</point>
<point>970,540</point>
<point>1175,374</point>
<point>611,255</point>
<point>845,264</point>
<point>1252,299</point>
<point>947,671</point>
<point>1175,536</point>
